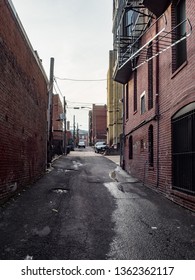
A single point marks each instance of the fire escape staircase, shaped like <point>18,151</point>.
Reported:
<point>132,51</point>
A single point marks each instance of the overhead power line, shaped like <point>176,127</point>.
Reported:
<point>81,80</point>
<point>58,87</point>
<point>83,103</point>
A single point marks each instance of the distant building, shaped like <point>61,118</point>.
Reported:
<point>57,123</point>
<point>155,62</point>
<point>98,123</point>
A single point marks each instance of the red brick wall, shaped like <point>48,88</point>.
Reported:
<point>23,108</point>
<point>175,91</point>
<point>99,122</point>
<point>57,110</point>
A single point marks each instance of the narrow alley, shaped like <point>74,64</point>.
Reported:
<point>87,208</point>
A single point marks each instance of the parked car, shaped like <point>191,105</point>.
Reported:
<point>81,144</point>
<point>100,147</point>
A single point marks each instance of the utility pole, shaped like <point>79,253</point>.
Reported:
<point>64,119</point>
<point>50,112</point>
<point>74,129</point>
<point>77,138</point>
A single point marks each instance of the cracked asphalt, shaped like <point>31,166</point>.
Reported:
<point>79,211</point>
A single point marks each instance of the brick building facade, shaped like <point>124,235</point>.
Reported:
<point>58,134</point>
<point>98,123</point>
<point>156,65</point>
<point>23,106</point>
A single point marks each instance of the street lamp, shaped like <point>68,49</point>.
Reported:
<point>83,107</point>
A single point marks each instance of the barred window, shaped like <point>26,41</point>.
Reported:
<point>150,146</point>
<point>150,77</point>
<point>135,91</point>
<point>127,101</point>
<point>179,51</point>
<point>130,147</point>
<point>143,103</point>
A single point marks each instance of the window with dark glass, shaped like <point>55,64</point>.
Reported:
<point>150,77</point>
<point>127,23</point>
<point>143,104</point>
<point>130,19</point>
<point>150,146</point>
<point>179,51</point>
<point>130,147</point>
<point>141,145</point>
<point>127,101</point>
<point>183,149</point>
<point>135,91</point>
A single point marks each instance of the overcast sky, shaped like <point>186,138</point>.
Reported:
<point>78,34</point>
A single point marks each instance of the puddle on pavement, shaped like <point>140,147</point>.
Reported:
<point>112,175</point>
<point>76,164</point>
<point>60,191</point>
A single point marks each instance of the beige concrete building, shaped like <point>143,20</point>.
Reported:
<point>114,106</point>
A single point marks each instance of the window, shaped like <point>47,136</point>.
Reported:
<point>135,91</point>
<point>183,149</point>
<point>143,103</point>
<point>130,147</point>
<point>141,145</point>
<point>129,21</point>
<point>150,77</point>
<point>150,146</point>
<point>127,101</point>
<point>179,51</point>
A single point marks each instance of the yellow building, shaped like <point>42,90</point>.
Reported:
<point>114,106</point>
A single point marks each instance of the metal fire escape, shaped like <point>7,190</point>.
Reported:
<point>136,32</point>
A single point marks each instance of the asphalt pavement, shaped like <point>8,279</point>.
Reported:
<point>87,207</point>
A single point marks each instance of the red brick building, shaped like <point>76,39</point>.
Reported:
<point>98,123</point>
<point>155,60</point>
<point>58,129</point>
<point>23,106</point>
<point>58,135</point>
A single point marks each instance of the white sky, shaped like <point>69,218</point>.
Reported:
<point>78,34</point>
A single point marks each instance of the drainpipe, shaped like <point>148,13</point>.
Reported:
<point>157,109</point>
